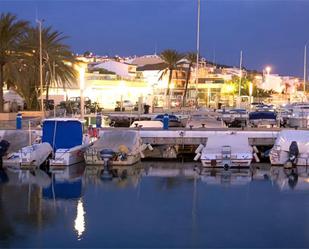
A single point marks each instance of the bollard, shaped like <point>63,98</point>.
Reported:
<point>19,121</point>
<point>165,121</point>
<point>98,120</point>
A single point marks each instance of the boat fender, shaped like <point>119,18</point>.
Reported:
<point>123,149</point>
<point>149,147</point>
<point>142,154</point>
<point>256,158</point>
<point>197,156</point>
<point>80,153</point>
<point>143,147</point>
<point>199,149</point>
<point>95,132</point>
<point>90,130</point>
<point>255,149</point>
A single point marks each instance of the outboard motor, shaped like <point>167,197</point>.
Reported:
<point>106,155</point>
<point>226,157</point>
<point>293,153</point>
<point>4,146</point>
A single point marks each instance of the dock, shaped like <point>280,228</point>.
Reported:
<point>186,136</point>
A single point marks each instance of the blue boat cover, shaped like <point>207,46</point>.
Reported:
<point>262,115</point>
<point>68,133</point>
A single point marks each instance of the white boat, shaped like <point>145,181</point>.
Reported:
<point>65,135</point>
<point>281,154</point>
<point>300,116</point>
<point>126,146</point>
<point>32,156</point>
<point>227,150</point>
<point>147,124</point>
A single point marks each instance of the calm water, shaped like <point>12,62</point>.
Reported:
<point>156,205</point>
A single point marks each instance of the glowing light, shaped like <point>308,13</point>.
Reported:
<point>81,71</point>
<point>228,88</point>
<point>268,69</point>
<point>250,88</point>
<point>79,223</point>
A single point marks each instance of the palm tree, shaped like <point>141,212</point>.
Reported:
<point>171,57</point>
<point>11,30</point>
<point>191,58</point>
<point>58,62</point>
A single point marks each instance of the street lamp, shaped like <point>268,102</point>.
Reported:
<point>268,69</point>
<point>240,73</point>
<point>41,64</point>
<point>250,92</point>
<point>197,50</point>
<point>305,67</point>
<point>81,71</point>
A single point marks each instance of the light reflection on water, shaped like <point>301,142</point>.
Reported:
<point>79,223</point>
<point>155,204</point>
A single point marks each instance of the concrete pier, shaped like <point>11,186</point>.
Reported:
<point>182,136</point>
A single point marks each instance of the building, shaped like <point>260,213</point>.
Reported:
<point>122,69</point>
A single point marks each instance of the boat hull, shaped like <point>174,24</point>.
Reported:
<point>93,158</point>
<point>219,163</point>
<point>281,157</point>
<point>67,157</point>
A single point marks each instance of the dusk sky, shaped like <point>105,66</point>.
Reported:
<point>269,32</point>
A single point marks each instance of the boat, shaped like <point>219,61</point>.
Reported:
<point>22,155</point>
<point>235,117</point>
<point>125,148</point>
<point>65,135</point>
<point>34,155</point>
<point>227,151</point>
<point>299,117</point>
<point>147,124</point>
<point>291,148</point>
<point>197,121</point>
<point>263,119</point>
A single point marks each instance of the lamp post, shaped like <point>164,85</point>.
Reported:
<point>250,93</point>
<point>197,49</point>
<point>305,68</point>
<point>240,73</point>
<point>82,87</point>
<point>41,64</point>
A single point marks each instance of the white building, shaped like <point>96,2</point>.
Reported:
<point>145,60</point>
<point>122,69</point>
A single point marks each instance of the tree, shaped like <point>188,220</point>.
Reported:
<point>191,57</point>
<point>171,57</point>
<point>57,68</point>
<point>11,30</point>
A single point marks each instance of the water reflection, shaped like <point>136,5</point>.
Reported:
<point>155,204</point>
